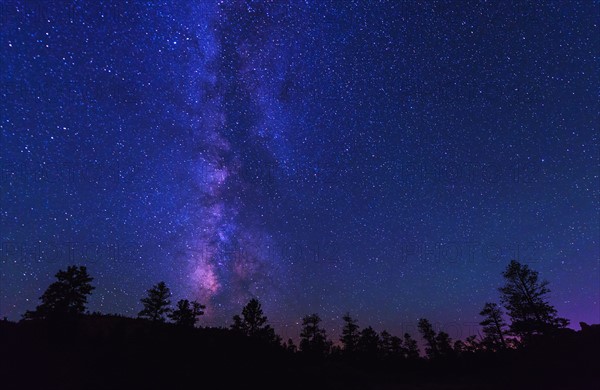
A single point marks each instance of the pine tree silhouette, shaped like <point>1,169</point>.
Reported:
<point>290,346</point>
<point>187,313</point>
<point>525,298</point>
<point>156,304</point>
<point>66,297</point>
<point>411,349</point>
<point>350,334</point>
<point>444,344</point>
<point>254,323</point>
<point>385,344</point>
<point>493,327</point>
<point>313,338</point>
<point>428,334</point>
<point>368,343</point>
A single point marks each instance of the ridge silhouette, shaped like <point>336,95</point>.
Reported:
<point>61,346</point>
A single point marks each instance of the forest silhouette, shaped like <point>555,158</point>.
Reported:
<point>59,345</point>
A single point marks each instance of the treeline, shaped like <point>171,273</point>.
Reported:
<point>523,314</point>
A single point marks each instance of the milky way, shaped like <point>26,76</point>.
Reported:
<point>385,158</point>
<point>239,138</point>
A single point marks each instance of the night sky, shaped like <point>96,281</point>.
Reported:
<point>384,158</point>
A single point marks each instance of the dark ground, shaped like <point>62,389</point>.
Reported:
<point>111,352</point>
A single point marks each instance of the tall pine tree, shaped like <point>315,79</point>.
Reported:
<point>156,303</point>
<point>493,327</point>
<point>350,334</point>
<point>187,313</point>
<point>313,338</point>
<point>428,335</point>
<point>254,323</point>
<point>525,298</point>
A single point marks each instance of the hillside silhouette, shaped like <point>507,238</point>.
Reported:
<point>525,344</point>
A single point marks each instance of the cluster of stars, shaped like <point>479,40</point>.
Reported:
<point>297,151</point>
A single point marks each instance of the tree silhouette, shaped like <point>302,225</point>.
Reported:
<point>470,344</point>
<point>350,334</point>
<point>493,326</point>
<point>396,347</point>
<point>290,346</point>
<point>252,319</point>
<point>411,349</point>
<point>65,297</point>
<point>525,298</point>
<point>313,338</point>
<point>390,346</point>
<point>439,344</point>
<point>156,304</point>
<point>385,343</point>
<point>187,313</point>
<point>444,344</point>
<point>368,342</point>
<point>459,347</point>
<point>254,323</point>
<point>428,334</point>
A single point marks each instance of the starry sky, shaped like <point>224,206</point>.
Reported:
<point>387,158</point>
